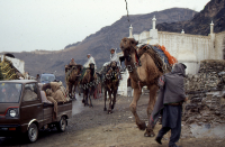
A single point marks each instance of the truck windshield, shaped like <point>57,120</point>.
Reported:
<point>10,92</point>
<point>47,78</point>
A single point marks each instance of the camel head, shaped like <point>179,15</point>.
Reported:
<point>76,69</point>
<point>66,68</point>
<point>113,65</point>
<point>128,46</point>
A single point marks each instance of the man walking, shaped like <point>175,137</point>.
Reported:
<point>170,100</point>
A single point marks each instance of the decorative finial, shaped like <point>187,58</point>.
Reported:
<point>212,23</point>
<point>153,23</point>
<point>212,27</point>
<point>154,18</point>
<point>182,32</point>
<point>130,31</point>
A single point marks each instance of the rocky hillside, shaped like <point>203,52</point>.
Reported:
<point>99,43</point>
<point>199,24</point>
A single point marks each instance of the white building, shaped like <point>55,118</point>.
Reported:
<point>186,48</point>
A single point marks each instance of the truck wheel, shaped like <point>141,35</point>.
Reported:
<point>32,132</point>
<point>61,126</point>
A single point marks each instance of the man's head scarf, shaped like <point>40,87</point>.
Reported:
<point>113,57</point>
<point>179,68</point>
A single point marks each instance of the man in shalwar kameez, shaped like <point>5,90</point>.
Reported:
<point>170,100</point>
<point>113,58</point>
<point>89,61</point>
<point>86,65</point>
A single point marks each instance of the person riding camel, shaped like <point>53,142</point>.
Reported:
<point>113,58</point>
<point>86,65</point>
<point>70,65</point>
<point>72,62</point>
<point>89,61</point>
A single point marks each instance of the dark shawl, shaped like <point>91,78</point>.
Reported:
<point>171,90</point>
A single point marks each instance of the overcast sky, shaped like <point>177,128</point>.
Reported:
<point>26,25</point>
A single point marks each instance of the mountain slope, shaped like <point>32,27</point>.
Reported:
<point>98,44</point>
<point>199,24</point>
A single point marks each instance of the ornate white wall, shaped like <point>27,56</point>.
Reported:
<point>188,49</point>
<point>179,43</point>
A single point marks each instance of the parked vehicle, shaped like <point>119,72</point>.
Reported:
<point>24,109</point>
<point>47,78</point>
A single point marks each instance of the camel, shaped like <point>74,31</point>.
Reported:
<point>88,83</point>
<point>144,70</point>
<point>72,78</point>
<point>110,83</point>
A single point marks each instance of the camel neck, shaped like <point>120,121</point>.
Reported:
<point>92,71</point>
<point>132,69</point>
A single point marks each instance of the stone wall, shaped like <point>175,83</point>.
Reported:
<point>206,93</point>
<point>208,77</point>
<point>220,45</point>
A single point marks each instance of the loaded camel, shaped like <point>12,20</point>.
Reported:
<point>145,67</point>
<point>110,83</point>
<point>72,78</point>
<point>88,84</point>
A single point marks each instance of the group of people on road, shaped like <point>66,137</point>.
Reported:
<point>91,60</point>
<point>113,57</point>
<point>169,102</point>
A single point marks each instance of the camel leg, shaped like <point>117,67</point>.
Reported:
<point>90,94</point>
<point>99,90</point>
<point>75,86</point>
<point>74,91</point>
<point>141,124</point>
<point>79,91</point>
<point>114,99</point>
<point>87,93</point>
<point>67,88</point>
<point>70,90</point>
<point>110,100</point>
<point>105,98</point>
<point>152,98</point>
<point>84,95</point>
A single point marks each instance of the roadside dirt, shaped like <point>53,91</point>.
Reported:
<point>94,127</point>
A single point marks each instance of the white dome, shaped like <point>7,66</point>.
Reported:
<point>186,56</point>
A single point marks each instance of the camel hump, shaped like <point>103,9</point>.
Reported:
<point>150,50</point>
